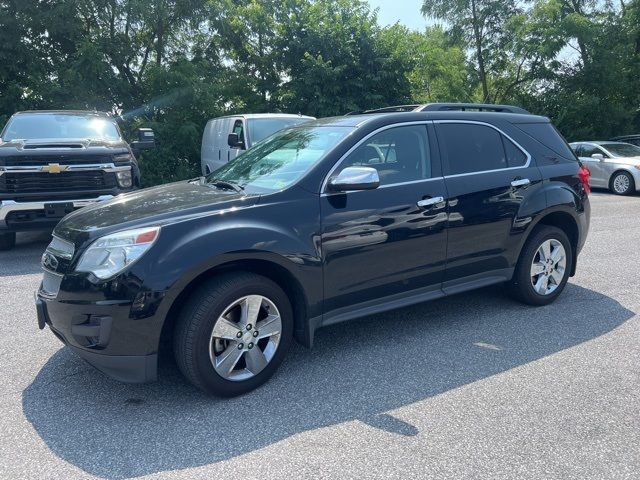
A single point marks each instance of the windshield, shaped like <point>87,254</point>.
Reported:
<point>281,159</point>
<point>60,126</point>
<point>622,149</point>
<point>261,128</point>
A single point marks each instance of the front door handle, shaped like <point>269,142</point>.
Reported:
<point>521,182</point>
<point>430,202</point>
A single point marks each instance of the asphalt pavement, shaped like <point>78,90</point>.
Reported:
<point>472,386</point>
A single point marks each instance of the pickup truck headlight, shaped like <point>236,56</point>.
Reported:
<point>111,254</point>
<point>124,178</point>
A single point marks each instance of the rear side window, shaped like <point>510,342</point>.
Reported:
<point>469,148</point>
<point>515,156</point>
<point>546,134</point>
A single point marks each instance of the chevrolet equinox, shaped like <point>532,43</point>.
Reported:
<point>320,223</point>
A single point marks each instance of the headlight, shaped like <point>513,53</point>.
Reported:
<point>124,178</point>
<point>111,254</point>
<point>123,157</point>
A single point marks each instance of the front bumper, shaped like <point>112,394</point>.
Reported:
<point>19,216</point>
<point>104,334</point>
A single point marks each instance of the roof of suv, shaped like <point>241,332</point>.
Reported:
<point>403,117</point>
<point>64,112</point>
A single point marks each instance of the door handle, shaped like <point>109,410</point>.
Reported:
<point>430,202</point>
<point>521,182</point>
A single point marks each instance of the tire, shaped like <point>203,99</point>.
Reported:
<point>622,183</point>
<point>522,285</point>
<point>196,349</point>
<point>7,240</point>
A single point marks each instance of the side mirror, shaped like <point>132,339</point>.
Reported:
<point>146,140</point>
<point>355,178</point>
<point>598,156</point>
<point>234,141</point>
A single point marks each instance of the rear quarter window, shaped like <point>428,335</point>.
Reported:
<point>547,135</point>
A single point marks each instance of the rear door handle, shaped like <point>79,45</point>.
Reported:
<point>521,182</point>
<point>430,202</point>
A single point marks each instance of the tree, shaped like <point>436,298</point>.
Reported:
<point>480,23</point>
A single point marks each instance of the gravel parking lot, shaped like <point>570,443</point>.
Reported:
<point>473,386</point>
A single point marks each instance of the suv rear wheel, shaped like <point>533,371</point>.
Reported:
<point>233,333</point>
<point>7,240</point>
<point>543,268</point>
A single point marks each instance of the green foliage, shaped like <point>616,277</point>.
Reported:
<point>173,64</point>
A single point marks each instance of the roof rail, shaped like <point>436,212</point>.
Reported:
<point>480,107</point>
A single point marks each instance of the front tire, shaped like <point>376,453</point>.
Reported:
<point>622,183</point>
<point>233,333</point>
<point>544,266</point>
<point>7,240</point>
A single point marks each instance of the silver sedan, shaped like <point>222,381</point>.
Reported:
<point>613,165</point>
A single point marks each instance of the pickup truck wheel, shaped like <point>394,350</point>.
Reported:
<point>543,268</point>
<point>7,240</point>
<point>233,333</point>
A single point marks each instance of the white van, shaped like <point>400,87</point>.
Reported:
<point>224,138</point>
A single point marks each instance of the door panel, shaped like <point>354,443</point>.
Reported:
<point>378,243</point>
<point>483,206</point>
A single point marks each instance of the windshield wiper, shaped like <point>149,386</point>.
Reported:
<point>226,184</point>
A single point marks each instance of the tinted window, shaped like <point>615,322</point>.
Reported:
<point>547,135</point>
<point>515,156</point>
<point>60,126</point>
<point>399,155</point>
<point>471,148</point>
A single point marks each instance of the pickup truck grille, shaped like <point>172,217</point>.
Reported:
<point>22,183</point>
<point>66,159</point>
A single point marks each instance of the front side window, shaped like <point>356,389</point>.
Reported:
<point>399,154</point>
<point>469,148</point>
<point>589,150</point>
<point>238,129</point>
<point>60,127</point>
<point>281,159</point>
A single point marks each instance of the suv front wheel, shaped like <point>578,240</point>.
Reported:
<point>233,333</point>
<point>544,266</point>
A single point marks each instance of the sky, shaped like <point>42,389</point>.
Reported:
<point>407,12</point>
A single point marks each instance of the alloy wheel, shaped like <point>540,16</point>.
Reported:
<point>548,267</point>
<point>621,183</point>
<point>245,338</point>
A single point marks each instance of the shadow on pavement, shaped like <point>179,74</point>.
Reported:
<point>24,258</point>
<point>357,371</point>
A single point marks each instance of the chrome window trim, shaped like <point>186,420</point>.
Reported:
<point>105,167</point>
<point>480,172</point>
<point>323,189</point>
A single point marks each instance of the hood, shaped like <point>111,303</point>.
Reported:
<point>75,144</point>
<point>152,206</point>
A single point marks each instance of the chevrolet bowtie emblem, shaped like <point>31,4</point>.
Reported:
<point>54,168</point>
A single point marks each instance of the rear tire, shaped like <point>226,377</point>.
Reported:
<point>7,240</point>
<point>216,330</point>
<point>622,183</point>
<point>554,267</point>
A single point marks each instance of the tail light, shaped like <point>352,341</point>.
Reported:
<point>584,174</point>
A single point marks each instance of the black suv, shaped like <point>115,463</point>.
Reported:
<point>321,223</point>
<point>54,162</point>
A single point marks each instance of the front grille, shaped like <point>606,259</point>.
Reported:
<point>66,159</point>
<point>23,183</point>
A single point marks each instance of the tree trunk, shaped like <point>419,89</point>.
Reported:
<point>478,41</point>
